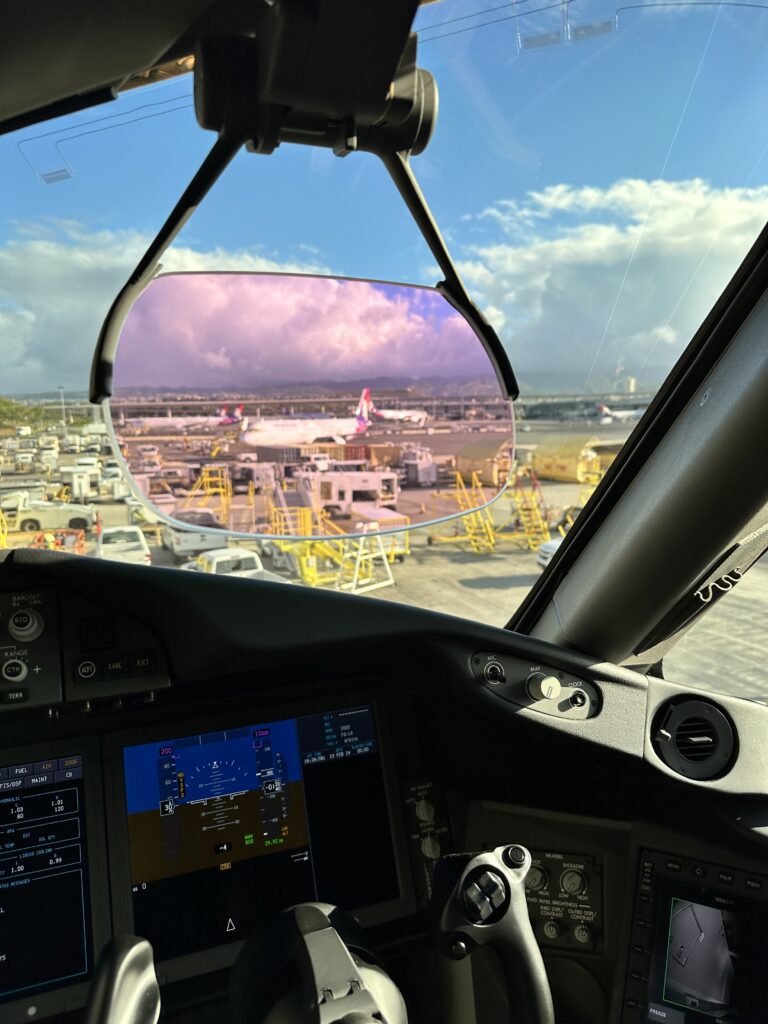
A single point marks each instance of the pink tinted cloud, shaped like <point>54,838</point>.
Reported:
<point>196,330</point>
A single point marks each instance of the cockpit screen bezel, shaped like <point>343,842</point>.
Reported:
<point>221,957</point>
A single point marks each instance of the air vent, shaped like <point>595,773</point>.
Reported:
<point>695,738</point>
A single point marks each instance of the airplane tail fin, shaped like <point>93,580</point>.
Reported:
<point>238,413</point>
<point>604,410</point>
<point>365,408</point>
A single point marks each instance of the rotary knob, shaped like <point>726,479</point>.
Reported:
<point>573,882</point>
<point>425,810</point>
<point>536,880</point>
<point>25,625</point>
<point>543,687</point>
<point>430,848</point>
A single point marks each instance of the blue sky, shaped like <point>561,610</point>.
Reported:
<point>542,174</point>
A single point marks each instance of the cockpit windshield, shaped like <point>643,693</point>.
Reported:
<point>599,173</point>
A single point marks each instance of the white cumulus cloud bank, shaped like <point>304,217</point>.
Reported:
<point>57,282</point>
<point>624,274</point>
<point>569,275</point>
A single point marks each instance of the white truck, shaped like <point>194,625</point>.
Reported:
<point>233,561</point>
<point>25,513</point>
<point>337,492</point>
<point>123,544</point>
<point>185,542</point>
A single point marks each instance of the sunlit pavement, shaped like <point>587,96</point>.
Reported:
<point>724,652</point>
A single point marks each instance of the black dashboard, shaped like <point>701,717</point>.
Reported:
<point>179,759</point>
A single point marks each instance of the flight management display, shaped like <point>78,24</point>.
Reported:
<point>227,826</point>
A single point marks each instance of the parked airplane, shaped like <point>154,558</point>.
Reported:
<point>620,415</point>
<point>299,430</point>
<point>271,430</point>
<point>177,424</point>
<point>416,416</point>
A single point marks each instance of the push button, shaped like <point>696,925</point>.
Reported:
<point>85,670</point>
<point>15,696</point>
<point>141,664</point>
<point>14,670</point>
<point>114,667</point>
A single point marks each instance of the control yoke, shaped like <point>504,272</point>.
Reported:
<point>309,965</point>
<point>483,896</point>
<point>124,989</point>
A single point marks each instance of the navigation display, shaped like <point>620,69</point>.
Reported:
<point>709,962</point>
<point>229,825</point>
<point>45,937</point>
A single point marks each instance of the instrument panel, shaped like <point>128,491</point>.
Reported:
<point>208,828</point>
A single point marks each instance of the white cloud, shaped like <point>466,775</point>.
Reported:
<point>557,263</point>
<point>57,282</point>
<point>547,268</point>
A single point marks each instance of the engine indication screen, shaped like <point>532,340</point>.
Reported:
<point>227,826</point>
<point>45,939</point>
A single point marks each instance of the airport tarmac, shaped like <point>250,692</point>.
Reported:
<point>724,651</point>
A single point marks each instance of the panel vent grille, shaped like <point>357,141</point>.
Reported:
<point>695,738</point>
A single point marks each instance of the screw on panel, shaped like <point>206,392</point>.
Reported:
<point>459,949</point>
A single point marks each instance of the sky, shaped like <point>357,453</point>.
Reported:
<point>227,331</point>
<point>596,195</point>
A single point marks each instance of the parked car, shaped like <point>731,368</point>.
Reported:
<point>123,544</point>
<point>546,552</point>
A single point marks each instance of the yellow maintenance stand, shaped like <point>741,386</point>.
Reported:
<point>531,509</point>
<point>478,529</point>
<point>475,527</point>
<point>322,554</point>
<point>213,482</point>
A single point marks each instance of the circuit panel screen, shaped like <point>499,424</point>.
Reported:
<point>227,826</point>
<point>45,930</point>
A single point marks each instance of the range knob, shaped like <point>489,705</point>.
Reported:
<point>543,687</point>
<point>25,625</point>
